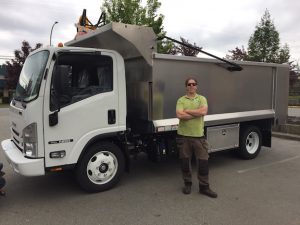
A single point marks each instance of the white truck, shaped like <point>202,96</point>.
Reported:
<point>108,95</point>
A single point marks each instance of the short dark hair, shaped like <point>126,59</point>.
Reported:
<point>190,78</point>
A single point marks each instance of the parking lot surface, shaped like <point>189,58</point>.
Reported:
<point>260,191</point>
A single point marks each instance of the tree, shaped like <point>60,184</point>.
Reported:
<point>132,12</point>
<point>184,50</point>
<point>294,74</point>
<point>14,66</point>
<point>263,45</point>
<point>239,54</point>
<point>284,54</point>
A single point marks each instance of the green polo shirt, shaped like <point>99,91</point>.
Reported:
<point>193,127</point>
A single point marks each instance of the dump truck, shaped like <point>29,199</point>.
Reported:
<point>108,95</point>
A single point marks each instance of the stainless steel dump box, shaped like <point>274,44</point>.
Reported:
<point>155,81</point>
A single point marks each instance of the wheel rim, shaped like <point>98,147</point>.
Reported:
<point>102,167</point>
<point>252,142</point>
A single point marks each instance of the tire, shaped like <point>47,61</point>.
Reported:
<point>250,142</point>
<point>100,168</point>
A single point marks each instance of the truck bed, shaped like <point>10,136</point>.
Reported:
<point>155,81</point>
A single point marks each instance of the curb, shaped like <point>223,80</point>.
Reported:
<point>286,136</point>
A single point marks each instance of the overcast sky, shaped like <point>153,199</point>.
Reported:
<point>215,25</point>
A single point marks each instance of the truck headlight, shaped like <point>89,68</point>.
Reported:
<point>30,140</point>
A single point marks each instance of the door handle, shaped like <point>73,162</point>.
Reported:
<point>111,116</point>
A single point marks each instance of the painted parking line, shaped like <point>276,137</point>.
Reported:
<point>269,164</point>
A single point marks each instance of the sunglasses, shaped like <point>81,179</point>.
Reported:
<point>192,84</point>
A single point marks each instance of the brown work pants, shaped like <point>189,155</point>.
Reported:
<point>188,146</point>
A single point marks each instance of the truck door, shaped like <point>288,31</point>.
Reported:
<point>81,101</point>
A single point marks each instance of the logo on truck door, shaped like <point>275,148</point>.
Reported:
<point>60,141</point>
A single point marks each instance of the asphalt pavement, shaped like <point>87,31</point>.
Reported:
<point>263,191</point>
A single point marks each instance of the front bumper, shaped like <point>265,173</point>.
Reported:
<point>20,164</point>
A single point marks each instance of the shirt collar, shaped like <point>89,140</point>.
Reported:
<point>196,96</point>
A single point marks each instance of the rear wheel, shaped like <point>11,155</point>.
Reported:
<point>100,168</point>
<point>250,142</point>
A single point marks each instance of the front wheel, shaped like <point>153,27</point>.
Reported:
<point>250,142</point>
<point>100,168</point>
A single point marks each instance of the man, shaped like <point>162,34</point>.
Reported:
<point>190,111</point>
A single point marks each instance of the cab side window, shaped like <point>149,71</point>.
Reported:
<point>80,76</point>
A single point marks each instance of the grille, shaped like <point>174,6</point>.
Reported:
<point>16,139</point>
<point>15,132</point>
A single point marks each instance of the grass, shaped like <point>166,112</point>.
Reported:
<point>294,100</point>
<point>4,105</point>
<point>294,97</point>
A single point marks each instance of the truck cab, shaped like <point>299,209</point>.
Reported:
<point>65,98</point>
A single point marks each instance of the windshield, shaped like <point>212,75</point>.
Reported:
<point>31,76</point>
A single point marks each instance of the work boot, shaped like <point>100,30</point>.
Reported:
<point>187,188</point>
<point>205,190</point>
